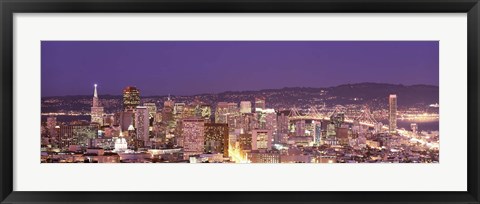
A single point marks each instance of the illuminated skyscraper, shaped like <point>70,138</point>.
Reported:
<point>167,112</point>
<point>96,110</point>
<point>142,123</point>
<point>131,98</point>
<point>216,138</point>
<point>392,116</point>
<point>193,135</point>
<point>245,107</point>
<point>261,139</point>
<point>282,125</point>
<point>318,133</point>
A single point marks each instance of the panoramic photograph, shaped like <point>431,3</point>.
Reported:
<point>240,102</point>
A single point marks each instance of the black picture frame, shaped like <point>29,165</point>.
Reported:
<point>9,7</point>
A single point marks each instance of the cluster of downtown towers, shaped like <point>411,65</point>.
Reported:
<point>195,132</point>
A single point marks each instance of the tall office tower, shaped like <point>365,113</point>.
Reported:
<point>261,139</point>
<point>392,119</point>
<point>282,126</point>
<point>271,123</point>
<point>216,138</point>
<point>131,98</point>
<point>260,103</point>
<point>193,136</point>
<point>96,110</point>
<point>167,112</point>
<point>245,107</point>
<point>232,116</point>
<point>221,112</point>
<point>318,133</point>
<point>142,123</point>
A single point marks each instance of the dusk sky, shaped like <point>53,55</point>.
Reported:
<point>196,67</point>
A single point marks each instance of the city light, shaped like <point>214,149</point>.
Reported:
<point>192,131</point>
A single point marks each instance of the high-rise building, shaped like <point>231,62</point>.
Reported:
<point>282,126</point>
<point>318,133</point>
<point>260,103</point>
<point>261,139</point>
<point>245,107</point>
<point>271,122</point>
<point>193,136</point>
<point>96,110</point>
<point>131,98</point>
<point>392,116</point>
<point>216,138</point>
<point>142,123</point>
<point>167,112</point>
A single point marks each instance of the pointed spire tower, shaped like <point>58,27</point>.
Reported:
<point>96,110</point>
<point>95,97</point>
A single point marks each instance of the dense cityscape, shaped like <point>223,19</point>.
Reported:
<point>250,129</point>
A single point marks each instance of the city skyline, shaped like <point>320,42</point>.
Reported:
<point>214,67</point>
<point>186,102</point>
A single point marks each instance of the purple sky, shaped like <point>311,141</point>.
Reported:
<point>194,67</point>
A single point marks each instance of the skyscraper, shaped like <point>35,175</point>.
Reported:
<point>193,135</point>
<point>261,139</point>
<point>131,98</point>
<point>96,110</point>
<point>142,123</point>
<point>392,116</point>
<point>216,138</point>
